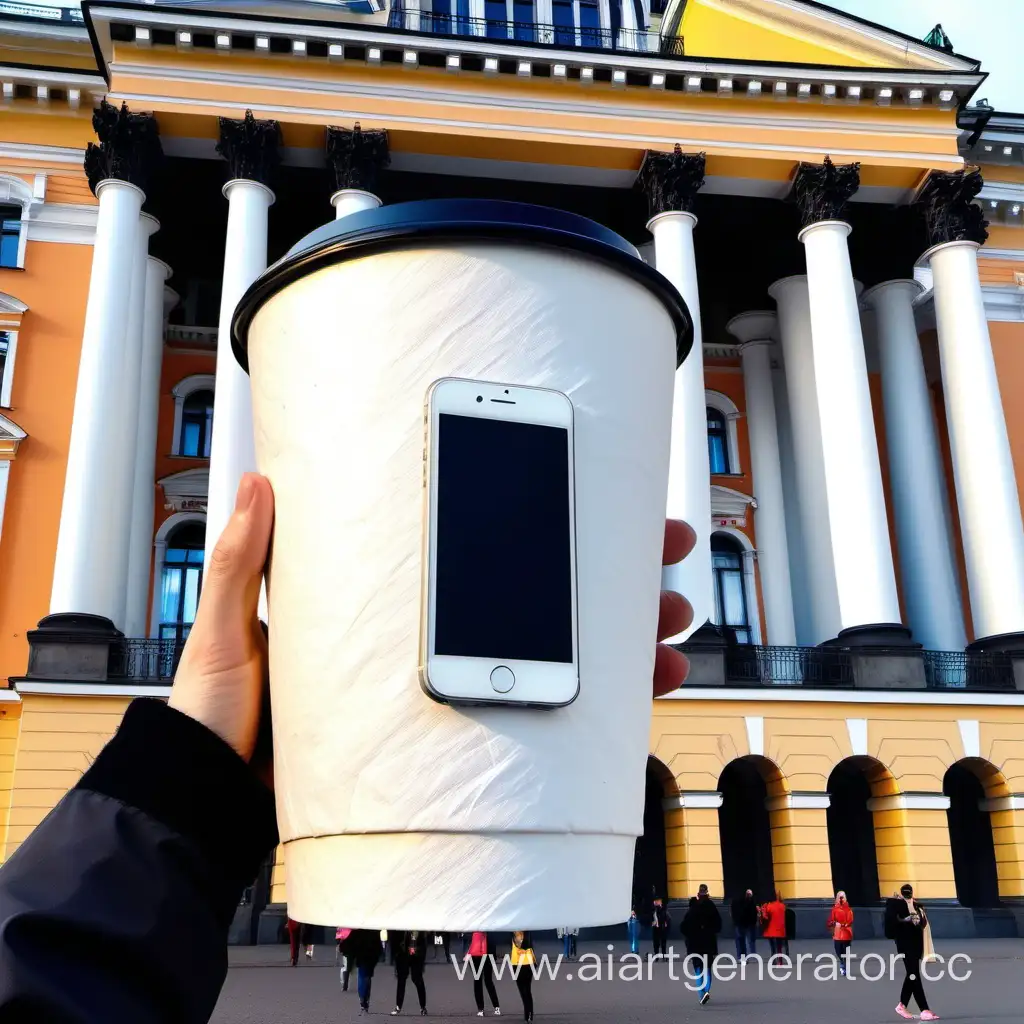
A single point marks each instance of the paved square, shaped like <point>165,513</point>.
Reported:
<point>263,989</point>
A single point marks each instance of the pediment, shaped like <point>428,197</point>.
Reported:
<point>729,507</point>
<point>187,491</point>
<point>799,32</point>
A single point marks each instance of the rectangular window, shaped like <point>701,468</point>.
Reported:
<point>565,24</point>
<point>590,24</point>
<point>10,235</point>
<point>497,19</point>
<point>8,345</point>
<point>462,19</point>
<point>522,12</point>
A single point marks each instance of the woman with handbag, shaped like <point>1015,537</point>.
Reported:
<point>840,923</point>
<point>523,959</point>
<point>907,923</point>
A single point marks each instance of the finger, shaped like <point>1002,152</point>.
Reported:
<point>680,539</point>
<point>231,582</point>
<point>670,668</point>
<point>675,614</point>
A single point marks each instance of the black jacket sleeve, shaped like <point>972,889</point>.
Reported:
<point>117,907</point>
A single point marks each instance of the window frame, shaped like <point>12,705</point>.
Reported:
<point>204,422</point>
<point>748,556</point>
<point>160,546</point>
<point>182,391</point>
<point>7,373</point>
<point>15,192</point>
<point>730,412</point>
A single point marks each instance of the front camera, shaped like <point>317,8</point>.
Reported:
<point>479,398</point>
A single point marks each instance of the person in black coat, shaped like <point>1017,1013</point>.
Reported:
<point>362,947</point>
<point>744,923</point>
<point>117,907</point>
<point>906,922</point>
<point>660,922</point>
<point>409,952</point>
<point>701,926</point>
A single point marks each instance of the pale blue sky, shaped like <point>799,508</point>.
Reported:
<point>991,31</point>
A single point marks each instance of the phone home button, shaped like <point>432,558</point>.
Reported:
<point>503,679</point>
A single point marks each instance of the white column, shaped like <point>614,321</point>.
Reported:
<point>865,577</point>
<point>91,562</point>
<point>233,451</point>
<point>815,554</point>
<point>689,481</point>
<point>931,593</point>
<point>986,485</point>
<point>754,331</point>
<point>140,546</point>
<point>352,200</point>
<point>131,401</point>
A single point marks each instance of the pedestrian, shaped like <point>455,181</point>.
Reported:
<point>774,916</point>
<point>840,923</point>
<point>160,847</point>
<point>660,921</point>
<point>483,973</point>
<point>744,923</point>
<point>363,948</point>
<point>906,922</point>
<point>633,931</point>
<point>523,959</point>
<point>306,938</point>
<point>341,938</point>
<point>700,928</point>
<point>293,928</point>
<point>568,937</point>
<point>409,953</point>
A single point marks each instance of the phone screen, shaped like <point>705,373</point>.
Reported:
<point>504,566</point>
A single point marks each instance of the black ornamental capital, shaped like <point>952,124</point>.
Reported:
<point>821,191</point>
<point>129,148</point>
<point>251,148</point>
<point>356,158</point>
<point>671,180</point>
<point>950,213</point>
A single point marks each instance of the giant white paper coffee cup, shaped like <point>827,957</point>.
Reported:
<point>396,811</point>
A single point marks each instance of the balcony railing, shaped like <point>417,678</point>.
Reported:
<point>827,667</point>
<point>145,659</point>
<point>535,33</point>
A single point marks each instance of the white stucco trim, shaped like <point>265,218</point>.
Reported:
<point>5,470</point>
<point>970,736</point>
<point>857,730</point>
<point>808,695</point>
<point>16,192</point>
<point>799,802</point>
<point>708,800</point>
<point>7,377</point>
<point>181,391</point>
<point>93,689</point>
<point>69,223</point>
<point>727,407</point>
<point>1013,802</point>
<point>159,551</point>
<point>9,696</point>
<point>909,802</point>
<point>1003,302</point>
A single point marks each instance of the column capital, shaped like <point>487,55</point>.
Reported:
<point>950,214</point>
<point>758,327</point>
<point>909,285</point>
<point>356,157</point>
<point>251,148</point>
<point>671,181</point>
<point>821,191</point>
<point>129,148</point>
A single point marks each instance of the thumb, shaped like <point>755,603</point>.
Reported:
<point>231,583</point>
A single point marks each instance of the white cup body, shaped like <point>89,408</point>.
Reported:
<point>397,811</point>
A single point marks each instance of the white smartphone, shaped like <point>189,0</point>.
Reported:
<point>499,588</point>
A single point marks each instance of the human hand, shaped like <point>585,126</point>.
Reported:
<point>221,680</point>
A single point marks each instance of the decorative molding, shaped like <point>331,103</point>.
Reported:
<point>857,730</point>
<point>40,154</point>
<point>188,490</point>
<point>705,800</point>
<point>70,223</point>
<point>950,213</point>
<point>988,253</point>
<point>1003,302</point>
<point>356,157</point>
<point>11,435</point>
<point>251,148</point>
<point>755,734</point>
<point>93,689</point>
<point>11,310</point>
<point>729,507</point>
<point>1013,802</point>
<point>970,736</point>
<point>798,802</point>
<point>812,695</point>
<point>671,181</point>
<point>821,191</point>
<point>909,802</point>
<point>129,148</point>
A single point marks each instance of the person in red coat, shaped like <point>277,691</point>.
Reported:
<point>294,930</point>
<point>840,924</point>
<point>774,916</point>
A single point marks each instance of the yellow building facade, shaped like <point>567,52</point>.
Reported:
<point>855,712</point>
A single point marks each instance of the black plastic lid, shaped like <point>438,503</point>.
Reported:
<point>405,224</point>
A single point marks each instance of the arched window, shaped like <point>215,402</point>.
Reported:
<point>730,591</point>
<point>181,580</point>
<point>196,425</point>
<point>718,443</point>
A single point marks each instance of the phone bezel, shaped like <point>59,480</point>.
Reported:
<point>465,680</point>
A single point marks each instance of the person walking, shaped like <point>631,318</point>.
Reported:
<point>700,928</point>
<point>774,916</point>
<point>362,948</point>
<point>409,952</point>
<point>840,924</point>
<point>906,922</point>
<point>483,973</point>
<point>293,928</point>
<point>306,938</point>
<point>633,931</point>
<point>341,938</point>
<point>744,923</point>
<point>660,921</point>
<point>523,959</point>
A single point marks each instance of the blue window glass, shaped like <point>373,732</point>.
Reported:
<point>197,425</point>
<point>718,448</point>
<point>590,24</point>
<point>522,11</point>
<point>181,580</point>
<point>565,25</point>
<point>10,235</point>
<point>497,19</point>
<point>462,17</point>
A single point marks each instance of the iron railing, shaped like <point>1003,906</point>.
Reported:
<point>145,659</point>
<point>754,665</point>
<point>535,33</point>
